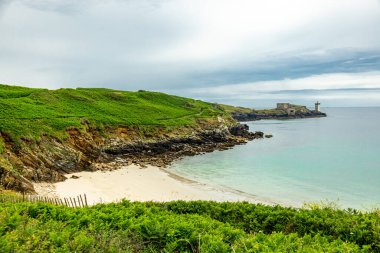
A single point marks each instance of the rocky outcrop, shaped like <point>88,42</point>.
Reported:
<point>252,116</point>
<point>12,180</point>
<point>243,130</point>
<point>163,152</point>
<point>49,159</point>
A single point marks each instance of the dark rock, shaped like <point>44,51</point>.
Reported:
<point>239,130</point>
<point>13,181</point>
<point>48,160</point>
<point>252,116</point>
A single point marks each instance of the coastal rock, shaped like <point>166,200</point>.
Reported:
<point>242,130</point>
<point>49,159</point>
<point>253,116</point>
<point>239,130</point>
<point>10,180</point>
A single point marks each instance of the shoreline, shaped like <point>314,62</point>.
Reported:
<point>135,183</point>
<point>252,198</point>
<point>256,117</point>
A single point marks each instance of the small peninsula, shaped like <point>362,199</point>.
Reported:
<point>282,111</point>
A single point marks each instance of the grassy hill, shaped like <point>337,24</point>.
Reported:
<point>197,226</point>
<point>29,113</point>
<point>47,133</point>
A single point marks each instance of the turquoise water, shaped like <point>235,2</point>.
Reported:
<point>336,158</point>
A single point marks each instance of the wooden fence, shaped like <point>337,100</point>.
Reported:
<point>78,201</point>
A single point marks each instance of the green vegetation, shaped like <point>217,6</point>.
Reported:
<point>231,109</point>
<point>238,109</point>
<point>179,226</point>
<point>30,113</point>
<point>270,111</point>
<point>2,145</point>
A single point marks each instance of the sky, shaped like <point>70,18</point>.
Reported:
<point>251,53</point>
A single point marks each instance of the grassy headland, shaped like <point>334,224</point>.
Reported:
<point>45,134</point>
<point>30,113</point>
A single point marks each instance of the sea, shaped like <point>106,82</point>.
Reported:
<point>335,159</point>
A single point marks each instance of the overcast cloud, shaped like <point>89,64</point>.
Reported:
<point>252,53</point>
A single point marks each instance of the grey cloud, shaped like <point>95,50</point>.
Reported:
<point>292,65</point>
<point>329,98</point>
<point>70,7</point>
<point>74,6</point>
<point>122,44</point>
<point>3,5</point>
<point>323,91</point>
<point>63,7</point>
<point>93,48</point>
<point>66,7</point>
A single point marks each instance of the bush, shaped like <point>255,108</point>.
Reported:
<point>198,226</point>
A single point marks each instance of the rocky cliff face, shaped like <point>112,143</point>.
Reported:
<point>49,159</point>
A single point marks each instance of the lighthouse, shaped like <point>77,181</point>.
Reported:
<point>317,107</point>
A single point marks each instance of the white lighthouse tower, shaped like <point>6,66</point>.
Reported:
<point>317,107</point>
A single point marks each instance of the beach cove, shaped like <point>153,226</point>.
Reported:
<point>307,161</point>
<point>138,184</point>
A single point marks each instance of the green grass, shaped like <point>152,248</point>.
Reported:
<point>197,226</point>
<point>270,111</point>
<point>2,145</point>
<point>30,113</point>
<point>231,109</point>
<point>239,109</point>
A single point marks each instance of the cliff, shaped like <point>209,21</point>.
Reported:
<point>45,134</point>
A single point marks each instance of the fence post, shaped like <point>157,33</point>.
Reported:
<point>72,203</point>
<point>81,200</point>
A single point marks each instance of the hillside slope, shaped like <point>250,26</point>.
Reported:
<point>47,133</point>
<point>28,113</point>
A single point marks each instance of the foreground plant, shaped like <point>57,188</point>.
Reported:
<point>179,226</point>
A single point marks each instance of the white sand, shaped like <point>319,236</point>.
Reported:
<point>136,184</point>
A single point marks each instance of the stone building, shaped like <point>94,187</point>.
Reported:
<point>291,111</point>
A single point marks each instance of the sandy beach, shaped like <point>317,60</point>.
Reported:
<point>136,184</point>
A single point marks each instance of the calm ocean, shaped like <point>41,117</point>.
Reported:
<point>336,158</point>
